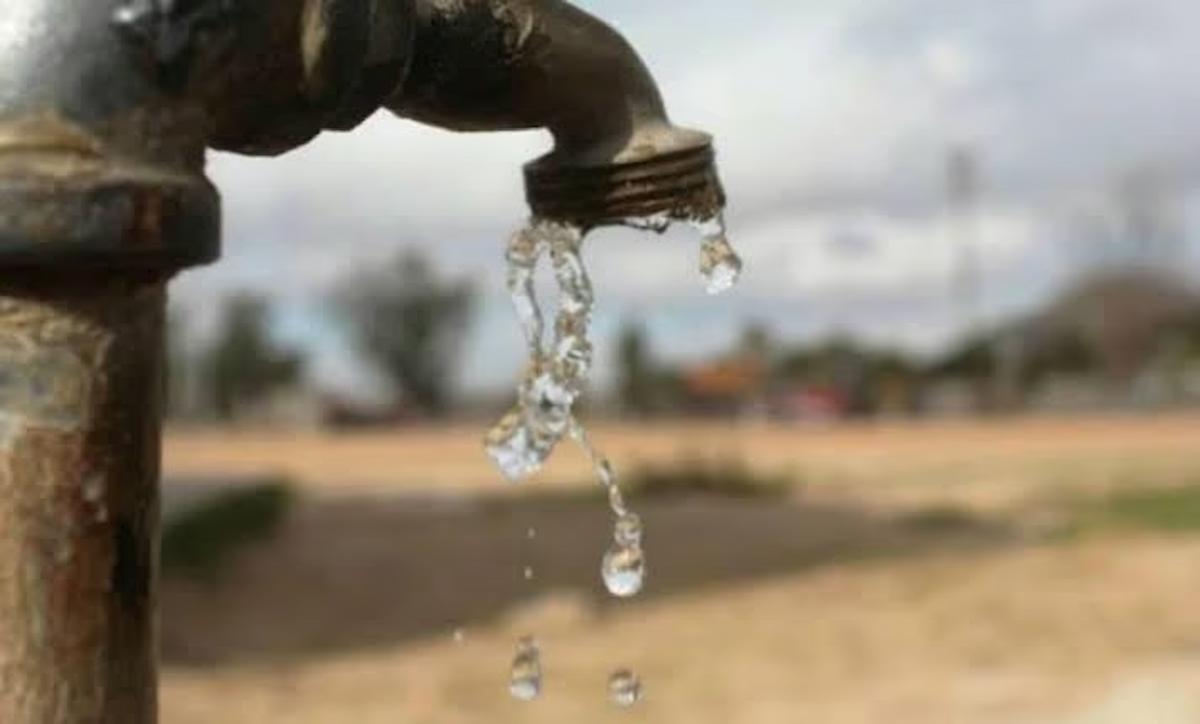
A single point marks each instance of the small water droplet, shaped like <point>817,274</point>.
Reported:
<point>628,531</point>
<point>624,688</point>
<point>528,573</point>
<point>525,683</point>
<point>624,571</point>
<point>531,533</point>
<point>720,265</point>
<point>460,636</point>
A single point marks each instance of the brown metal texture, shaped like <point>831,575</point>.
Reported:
<point>681,186</point>
<point>81,377</point>
<point>510,64</point>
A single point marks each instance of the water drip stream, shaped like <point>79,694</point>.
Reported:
<point>555,377</point>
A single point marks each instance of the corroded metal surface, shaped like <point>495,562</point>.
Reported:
<point>682,185</point>
<point>80,391</point>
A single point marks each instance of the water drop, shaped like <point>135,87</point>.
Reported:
<point>531,533</point>
<point>720,265</point>
<point>460,636</point>
<point>525,683</point>
<point>624,688</point>
<point>624,571</point>
<point>628,530</point>
<point>528,573</point>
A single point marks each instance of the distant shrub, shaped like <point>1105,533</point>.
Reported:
<point>1169,510</point>
<point>730,479</point>
<point>941,519</point>
<point>198,540</point>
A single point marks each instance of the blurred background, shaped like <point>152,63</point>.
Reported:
<point>936,459</point>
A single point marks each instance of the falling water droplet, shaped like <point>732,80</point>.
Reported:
<point>525,683</point>
<point>528,573</point>
<point>624,688</point>
<point>460,636</point>
<point>531,533</point>
<point>720,265</point>
<point>624,571</point>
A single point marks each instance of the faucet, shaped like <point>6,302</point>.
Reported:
<point>107,108</point>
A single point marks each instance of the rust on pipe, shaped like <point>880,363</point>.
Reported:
<point>81,370</point>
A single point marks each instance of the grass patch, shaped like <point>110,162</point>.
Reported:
<point>197,541</point>
<point>1165,510</point>
<point>729,479</point>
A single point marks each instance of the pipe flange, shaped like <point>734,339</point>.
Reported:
<point>107,218</point>
<point>680,185</point>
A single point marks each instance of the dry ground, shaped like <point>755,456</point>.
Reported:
<point>827,608</point>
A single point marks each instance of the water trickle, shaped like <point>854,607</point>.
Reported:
<point>525,683</point>
<point>556,375</point>
<point>629,530</point>
<point>624,688</point>
<point>524,438</point>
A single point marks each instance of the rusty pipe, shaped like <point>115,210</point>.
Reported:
<point>81,371</point>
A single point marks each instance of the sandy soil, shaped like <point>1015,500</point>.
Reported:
<point>826,608</point>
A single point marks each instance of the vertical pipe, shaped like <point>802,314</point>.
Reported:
<point>81,369</point>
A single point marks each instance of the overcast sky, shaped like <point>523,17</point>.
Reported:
<point>832,120</point>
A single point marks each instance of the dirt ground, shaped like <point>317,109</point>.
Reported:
<point>834,606</point>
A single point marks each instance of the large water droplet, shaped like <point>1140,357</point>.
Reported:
<point>526,681</point>
<point>624,688</point>
<point>624,571</point>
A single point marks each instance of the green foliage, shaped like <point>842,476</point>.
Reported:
<point>635,373</point>
<point>244,364</point>
<point>410,324</point>
<point>1166,510</point>
<point>728,478</point>
<point>197,541</point>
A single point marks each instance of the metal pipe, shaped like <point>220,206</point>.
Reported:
<point>81,372</point>
<point>511,64</point>
<point>106,110</point>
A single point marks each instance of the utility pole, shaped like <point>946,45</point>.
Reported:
<point>962,181</point>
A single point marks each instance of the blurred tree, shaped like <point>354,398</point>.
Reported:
<point>180,365</point>
<point>635,373</point>
<point>410,324</point>
<point>756,343</point>
<point>243,364</point>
